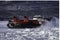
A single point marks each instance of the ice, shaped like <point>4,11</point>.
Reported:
<point>3,23</point>
<point>47,31</point>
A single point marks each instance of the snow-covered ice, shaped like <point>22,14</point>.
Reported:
<point>47,31</point>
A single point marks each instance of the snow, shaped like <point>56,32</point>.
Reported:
<point>47,31</point>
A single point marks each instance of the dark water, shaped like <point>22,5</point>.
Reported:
<point>26,8</point>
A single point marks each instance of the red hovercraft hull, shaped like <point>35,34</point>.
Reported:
<point>26,23</point>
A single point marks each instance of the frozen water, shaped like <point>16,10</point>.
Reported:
<point>47,31</point>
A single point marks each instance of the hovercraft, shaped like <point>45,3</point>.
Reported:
<point>26,23</point>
